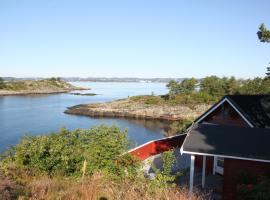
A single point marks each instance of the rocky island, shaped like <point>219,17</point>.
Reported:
<point>45,86</point>
<point>140,107</point>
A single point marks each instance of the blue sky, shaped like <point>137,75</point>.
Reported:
<point>133,38</point>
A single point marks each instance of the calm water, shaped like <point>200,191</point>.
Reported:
<point>20,115</point>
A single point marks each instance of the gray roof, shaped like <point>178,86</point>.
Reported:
<point>256,108</point>
<point>231,141</point>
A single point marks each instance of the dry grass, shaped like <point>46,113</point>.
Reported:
<point>99,188</point>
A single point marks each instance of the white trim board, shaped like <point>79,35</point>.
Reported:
<point>223,156</point>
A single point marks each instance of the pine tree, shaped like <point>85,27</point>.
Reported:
<point>268,71</point>
<point>263,34</point>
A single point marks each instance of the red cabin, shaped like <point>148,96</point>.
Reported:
<point>230,139</point>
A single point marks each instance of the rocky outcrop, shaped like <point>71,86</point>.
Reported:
<point>83,94</point>
<point>130,109</point>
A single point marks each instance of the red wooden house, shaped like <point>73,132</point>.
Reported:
<point>230,138</point>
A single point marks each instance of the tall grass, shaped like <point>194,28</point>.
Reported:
<point>98,187</point>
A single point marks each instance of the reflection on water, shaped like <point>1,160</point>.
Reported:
<point>167,128</point>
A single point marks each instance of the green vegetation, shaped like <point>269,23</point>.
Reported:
<point>263,33</point>
<point>165,178</point>
<point>2,83</point>
<point>65,152</point>
<point>83,164</point>
<point>264,36</point>
<point>186,86</point>
<point>252,188</point>
<point>268,71</point>
<point>38,86</point>
<point>212,88</point>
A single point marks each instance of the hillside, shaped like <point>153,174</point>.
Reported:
<point>45,86</point>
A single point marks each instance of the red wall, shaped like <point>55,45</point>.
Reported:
<point>209,162</point>
<point>226,115</point>
<point>158,146</point>
<point>232,167</point>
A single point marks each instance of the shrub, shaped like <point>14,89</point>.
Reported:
<point>136,98</point>
<point>2,83</point>
<point>191,99</point>
<point>65,152</point>
<point>16,85</point>
<point>164,177</point>
<point>152,100</point>
<point>183,125</point>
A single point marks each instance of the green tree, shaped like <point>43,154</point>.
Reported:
<point>173,88</point>
<point>264,36</point>
<point>230,85</point>
<point>252,86</point>
<point>268,71</point>
<point>212,85</point>
<point>263,33</point>
<point>2,83</point>
<point>265,86</point>
<point>187,85</point>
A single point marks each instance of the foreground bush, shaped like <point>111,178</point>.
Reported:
<point>82,164</point>
<point>72,153</point>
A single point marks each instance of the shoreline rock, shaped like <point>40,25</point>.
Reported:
<point>126,108</point>
<point>84,94</point>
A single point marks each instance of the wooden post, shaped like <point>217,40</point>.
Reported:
<point>203,171</point>
<point>84,167</point>
<point>191,178</point>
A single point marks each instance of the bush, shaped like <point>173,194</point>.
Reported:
<point>183,125</point>
<point>16,85</point>
<point>152,100</point>
<point>65,152</point>
<point>164,177</point>
<point>191,99</point>
<point>2,83</point>
<point>136,98</point>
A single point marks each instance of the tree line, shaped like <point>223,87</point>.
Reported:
<point>218,87</point>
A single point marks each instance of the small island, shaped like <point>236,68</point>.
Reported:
<point>141,107</point>
<point>29,87</point>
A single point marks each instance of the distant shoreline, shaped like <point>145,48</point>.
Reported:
<point>102,79</point>
<point>26,93</point>
<point>37,87</point>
